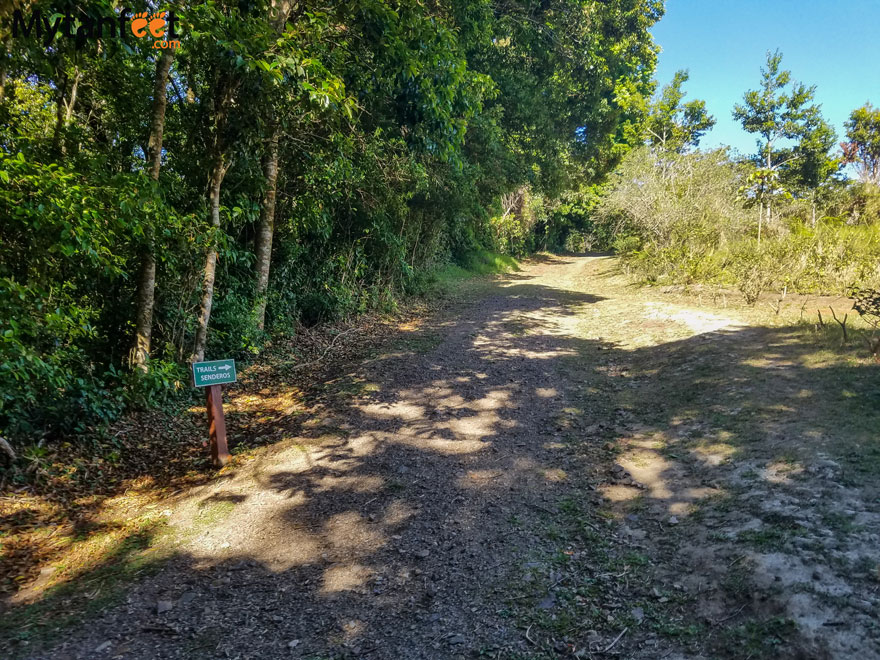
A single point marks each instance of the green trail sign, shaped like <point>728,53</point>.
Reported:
<point>216,372</point>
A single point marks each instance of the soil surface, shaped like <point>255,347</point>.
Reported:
<point>559,465</point>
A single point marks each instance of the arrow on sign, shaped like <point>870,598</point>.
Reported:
<point>225,367</point>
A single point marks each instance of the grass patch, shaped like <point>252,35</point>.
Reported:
<point>212,511</point>
<point>761,639</point>
<point>763,539</point>
<point>477,262</point>
<point>484,262</point>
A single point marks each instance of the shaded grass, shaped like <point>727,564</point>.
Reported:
<point>98,582</point>
<point>761,639</point>
<point>478,262</point>
<point>98,570</point>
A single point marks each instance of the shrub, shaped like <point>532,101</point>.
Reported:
<point>676,219</point>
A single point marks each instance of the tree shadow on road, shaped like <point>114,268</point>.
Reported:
<point>391,520</point>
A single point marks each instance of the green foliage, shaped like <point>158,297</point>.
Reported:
<point>164,383</point>
<point>402,128</point>
<point>813,166</point>
<point>676,220</point>
<point>572,225</point>
<point>782,113</point>
<point>779,110</point>
<point>668,199</point>
<point>673,125</point>
<point>49,379</point>
<point>867,304</point>
<point>863,142</point>
<point>689,218</point>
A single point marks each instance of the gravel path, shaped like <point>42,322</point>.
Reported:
<point>451,498</point>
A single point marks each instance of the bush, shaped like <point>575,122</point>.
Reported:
<point>571,223</point>
<point>676,219</point>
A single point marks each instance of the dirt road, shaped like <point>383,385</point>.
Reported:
<point>562,466</point>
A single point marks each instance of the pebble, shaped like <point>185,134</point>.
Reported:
<point>100,648</point>
<point>163,606</point>
<point>547,603</point>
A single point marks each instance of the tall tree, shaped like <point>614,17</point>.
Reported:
<point>4,65</point>
<point>280,11</point>
<point>266,227</point>
<point>814,166</point>
<point>863,143</point>
<point>779,110</point>
<point>65,103</point>
<point>223,93</point>
<point>674,125</point>
<point>146,291</point>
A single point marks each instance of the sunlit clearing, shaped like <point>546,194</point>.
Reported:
<point>780,472</point>
<point>714,454</point>
<point>478,478</point>
<point>397,512</point>
<point>402,410</point>
<point>347,577</point>
<point>698,322</point>
<point>555,475</point>
<point>616,493</point>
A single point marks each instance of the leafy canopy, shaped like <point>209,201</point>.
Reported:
<point>863,142</point>
<point>676,125</point>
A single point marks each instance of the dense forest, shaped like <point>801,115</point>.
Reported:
<point>288,163</point>
<point>282,164</point>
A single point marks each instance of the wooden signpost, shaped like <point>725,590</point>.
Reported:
<point>212,376</point>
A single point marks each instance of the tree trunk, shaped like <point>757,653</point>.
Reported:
<point>147,276</point>
<point>4,53</point>
<point>266,229</point>
<point>57,137</point>
<point>760,220</point>
<point>157,120</point>
<point>280,11</point>
<point>68,115</point>
<point>64,109</point>
<point>224,91</point>
<point>217,173</point>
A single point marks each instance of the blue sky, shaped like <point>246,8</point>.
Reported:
<point>832,44</point>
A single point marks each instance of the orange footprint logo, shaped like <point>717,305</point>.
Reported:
<point>144,20</point>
